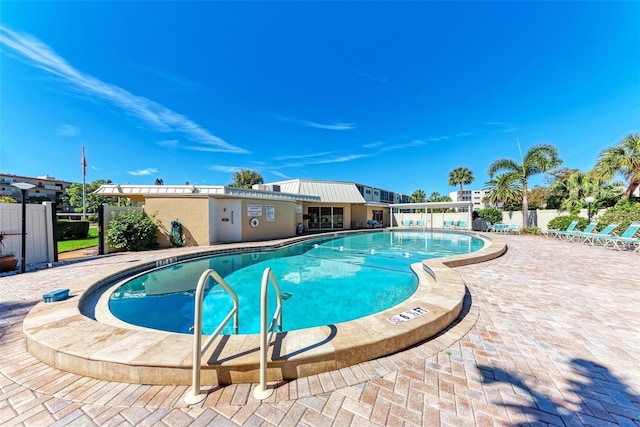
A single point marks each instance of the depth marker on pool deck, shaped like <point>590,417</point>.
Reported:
<point>407,315</point>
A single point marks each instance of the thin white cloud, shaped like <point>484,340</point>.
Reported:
<point>373,144</point>
<point>67,130</point>
<point>342,159</point>
<point>144,172</point>
<point>410,144</point>
<point>279,174</point>
<point>152,113</point>
<point>310,124</point>
<point>178,81</point>
<point>332,157</point>
<point>171,143</point>
<point>503,126</point>
<point>226,169</point>
<point>372,77</point>
<point>305,156</point>
<point>438,138</point>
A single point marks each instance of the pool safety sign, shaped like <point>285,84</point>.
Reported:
<point>407,315</point>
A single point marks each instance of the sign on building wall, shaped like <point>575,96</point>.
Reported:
<point>298,209</point>
<point>254,210</point>
<point>271,213</point>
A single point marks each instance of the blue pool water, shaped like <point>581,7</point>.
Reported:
<point>324,281</point>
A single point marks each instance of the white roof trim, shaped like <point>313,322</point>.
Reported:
<point>205,190</point>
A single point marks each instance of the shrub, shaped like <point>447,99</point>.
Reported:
<point>491,214</point>
<point>72,230</point>
<point>133,231</point>
<point>530,230</point>
<point>624,212</point>
<point>563,221</point>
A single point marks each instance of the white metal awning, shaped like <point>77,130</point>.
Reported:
<point>432,205</point>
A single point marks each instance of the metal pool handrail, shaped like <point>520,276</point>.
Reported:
<point>262,392</point>
<point>194,395</point>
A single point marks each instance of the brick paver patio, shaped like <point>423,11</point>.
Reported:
<point>550,335</point>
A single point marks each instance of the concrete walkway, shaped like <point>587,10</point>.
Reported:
<point>550,334</point>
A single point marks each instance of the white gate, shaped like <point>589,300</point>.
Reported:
<point>39,238</point>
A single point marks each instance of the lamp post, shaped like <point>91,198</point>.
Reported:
<point>23,186</point>
<point>589,200</point>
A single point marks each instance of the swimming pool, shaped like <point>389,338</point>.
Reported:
<point>324,281</point>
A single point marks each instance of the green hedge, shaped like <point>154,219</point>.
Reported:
<point>72,230</point>
<point>563,221</point>
<point>624,212</point>
<point>492,214</point>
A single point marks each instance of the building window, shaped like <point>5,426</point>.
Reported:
<point>325,217</point>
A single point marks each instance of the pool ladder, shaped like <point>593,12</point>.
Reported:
<point>195,395</point>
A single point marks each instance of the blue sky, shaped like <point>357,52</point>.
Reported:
<point>390,94</point>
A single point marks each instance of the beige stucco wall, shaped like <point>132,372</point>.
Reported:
<point>359,216</point>
<point>283,225</point>
<point>192,212</point>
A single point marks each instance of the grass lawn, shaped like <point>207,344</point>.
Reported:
<point>72,245</point>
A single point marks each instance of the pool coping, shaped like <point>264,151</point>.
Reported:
<point>63,336</point>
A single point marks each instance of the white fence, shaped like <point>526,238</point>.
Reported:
<point>40,241</point>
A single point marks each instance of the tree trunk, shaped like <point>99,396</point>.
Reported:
<point>631,188</point>
<point>525,205</point>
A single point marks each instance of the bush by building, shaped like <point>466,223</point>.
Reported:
<point>133,231</point>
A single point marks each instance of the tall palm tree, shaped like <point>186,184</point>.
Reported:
<point>623,159</point>
<point>460,176</point>
<point>539,159</point>
<point>418,196</point>
<point>503,189</point>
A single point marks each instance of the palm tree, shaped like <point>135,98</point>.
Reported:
<point>460,176</point>
<point>503,189</point>
<point>437,197</point>
<point>539,159</point>
<point>623,159</point>
<point>578,186</point>
<point>418,196</point>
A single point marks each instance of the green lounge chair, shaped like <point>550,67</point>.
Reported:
<point>499,228</point>
<point>556,233</point>
<point>624,240</point>
<point>594,238</point>
<point>513,228</point>
<point>579,235</point>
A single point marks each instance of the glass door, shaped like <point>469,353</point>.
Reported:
<point>338,217</point>
<point>314,218</point>
<point>326,220</point>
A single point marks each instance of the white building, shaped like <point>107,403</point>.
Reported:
<point>474,196</point>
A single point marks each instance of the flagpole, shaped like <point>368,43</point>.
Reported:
<point>84,187</point>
